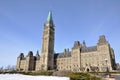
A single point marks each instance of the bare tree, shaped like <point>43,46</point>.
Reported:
<point>10,68</point>
<point>1,69</point>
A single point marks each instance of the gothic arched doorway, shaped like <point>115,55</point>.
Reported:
<point>88,70</point>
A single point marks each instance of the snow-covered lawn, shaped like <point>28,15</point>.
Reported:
<point>28,77</point>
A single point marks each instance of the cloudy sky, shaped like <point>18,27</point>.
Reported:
<point>21,25</point>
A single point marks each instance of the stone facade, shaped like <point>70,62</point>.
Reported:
<point>79,58</point>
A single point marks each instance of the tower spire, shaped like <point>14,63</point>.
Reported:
<point>49,21</point>
<point>47,57</point>
<point>49,18</point>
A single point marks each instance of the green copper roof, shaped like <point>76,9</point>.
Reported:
<point>49,18</point>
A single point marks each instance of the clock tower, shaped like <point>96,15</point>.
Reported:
<point>47,51</point>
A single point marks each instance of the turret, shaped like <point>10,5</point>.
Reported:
<point>30,54</point>
<point>84,45</point>
<point>19,59</point>
<point>76,56</point>
<point>37,55</point>
<point>21,56</point>
<point>104,53</point>
<point>66,51</point>
<point>30,62</point>
<point>76,44</point>
<point>102,40</point>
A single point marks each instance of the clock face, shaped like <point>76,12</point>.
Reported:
<point>47,24</point>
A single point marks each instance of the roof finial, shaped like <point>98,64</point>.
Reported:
<point>83,41</point>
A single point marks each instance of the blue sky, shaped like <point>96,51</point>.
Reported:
<point>21,25</point>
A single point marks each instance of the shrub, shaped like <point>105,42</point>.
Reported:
<point>46,73</point>
<point>61,73</point>
<point>82,76</point>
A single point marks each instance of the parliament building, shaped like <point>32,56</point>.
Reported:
<point>79,58</point>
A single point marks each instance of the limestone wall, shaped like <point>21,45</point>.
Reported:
<point>64,63</point>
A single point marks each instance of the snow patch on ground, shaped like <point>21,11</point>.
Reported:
<point>28,77</point>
